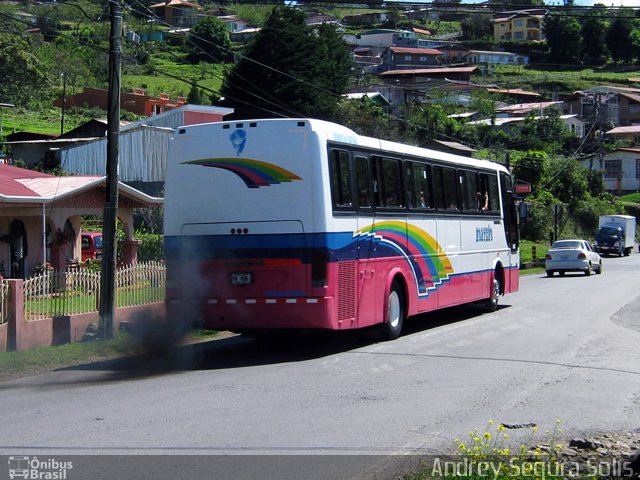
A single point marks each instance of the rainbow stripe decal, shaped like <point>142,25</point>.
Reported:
<point>254,173</point>
<point>429,264</point>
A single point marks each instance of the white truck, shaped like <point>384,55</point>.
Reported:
<point>616,235</point>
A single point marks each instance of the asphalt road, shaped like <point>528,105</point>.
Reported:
<point>344,404</point>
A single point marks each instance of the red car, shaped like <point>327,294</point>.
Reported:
<point>91,245</point>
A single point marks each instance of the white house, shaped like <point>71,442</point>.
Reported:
<point>620,170</point>
<point>475,57</point>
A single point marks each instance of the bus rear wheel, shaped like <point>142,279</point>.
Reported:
<point>394,318</point>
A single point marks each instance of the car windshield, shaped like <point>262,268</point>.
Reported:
<point>567,244</point>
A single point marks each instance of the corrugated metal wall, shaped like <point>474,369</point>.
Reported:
<point>143,155</point>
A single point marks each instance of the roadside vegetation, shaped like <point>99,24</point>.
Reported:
<point>46,359</point>
<point>490,452</point>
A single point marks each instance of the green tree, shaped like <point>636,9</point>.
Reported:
<point>563,37</point>
<point>364,116</point>
<point>529,166</point>
<point>593,31</point>
<point>547,133</point>
<point>289,70</point>
<point>477,26</point>
<point>620,39</point>
<point>209,41</point>
<point>195,96</point>
<point>426,123</point>
<point>24,77</point>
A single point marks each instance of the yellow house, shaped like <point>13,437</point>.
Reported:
<point>519,25</point>
<point>177,13</point>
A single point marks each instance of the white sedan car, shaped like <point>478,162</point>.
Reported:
<point>572,256</point>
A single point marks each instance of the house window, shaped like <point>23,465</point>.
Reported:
<point>613,169</point>
<point>407,58</point>
<point>518,23</point>
<point>424,59</point>
<point>638,168</point>
<point>518,35</point>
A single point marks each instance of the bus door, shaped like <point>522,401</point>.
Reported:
<point>510,217</point>
<point>445,186</point>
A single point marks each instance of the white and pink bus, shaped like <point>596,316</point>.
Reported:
<point>303,224</point>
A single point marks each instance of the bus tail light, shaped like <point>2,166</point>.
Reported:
<point>319,261</point>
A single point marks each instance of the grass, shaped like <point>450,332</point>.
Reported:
<point>527,247</point>
<point>46,359</point>
<point>631,198</point>
<point>168,69</point>
<point>78,302</point>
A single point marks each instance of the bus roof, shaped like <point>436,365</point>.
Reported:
<point>339,134</point>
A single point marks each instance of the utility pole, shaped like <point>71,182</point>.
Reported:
<point>107,278</point>
<point>64,100</point>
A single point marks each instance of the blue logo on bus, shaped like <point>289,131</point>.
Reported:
<point>484,234</point>
<point>238,140</point>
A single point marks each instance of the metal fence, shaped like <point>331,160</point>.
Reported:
<point>4,301</point>
<point>140,284</point>
<point>54,294</point>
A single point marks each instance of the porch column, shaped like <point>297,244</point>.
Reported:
<point>129,251</point>
<point>59,256</point>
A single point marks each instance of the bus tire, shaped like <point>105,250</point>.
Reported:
<point>395,313</point>
<point>491,303</point>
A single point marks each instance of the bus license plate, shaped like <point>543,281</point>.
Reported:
<point>241,278</point>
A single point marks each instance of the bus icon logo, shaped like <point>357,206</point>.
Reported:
<point>18,467</point>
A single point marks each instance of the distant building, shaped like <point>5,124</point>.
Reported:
<point>395,58</point>
<point>519,25</point>
<point>620,170</point>
<point>481,57</point>
<point>137,102</point>
<point>177,13</point>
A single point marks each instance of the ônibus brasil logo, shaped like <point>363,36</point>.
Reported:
<point>38,469</point>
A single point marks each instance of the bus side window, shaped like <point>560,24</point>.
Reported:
<point>388,182</point>
<point>418,185</point>
<point>363,182</point>
<point>473,197</point>
<point>341,179</point>
<point>450,188</point>
<point>438,191</point>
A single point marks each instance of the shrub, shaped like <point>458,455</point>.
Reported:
<point>151,248</point>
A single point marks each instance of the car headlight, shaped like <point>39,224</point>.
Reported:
<point>617,244</point>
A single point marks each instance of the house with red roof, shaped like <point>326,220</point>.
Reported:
<point>406,58</point>
<point>40,218</point>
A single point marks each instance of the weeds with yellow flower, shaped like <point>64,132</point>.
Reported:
<point>490,455</point>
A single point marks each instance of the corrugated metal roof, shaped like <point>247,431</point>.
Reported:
<point>28,186</point>
<point>56,186</point>
<point>416,51</point>
<point>621,130</point>
<point>433,71</point>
